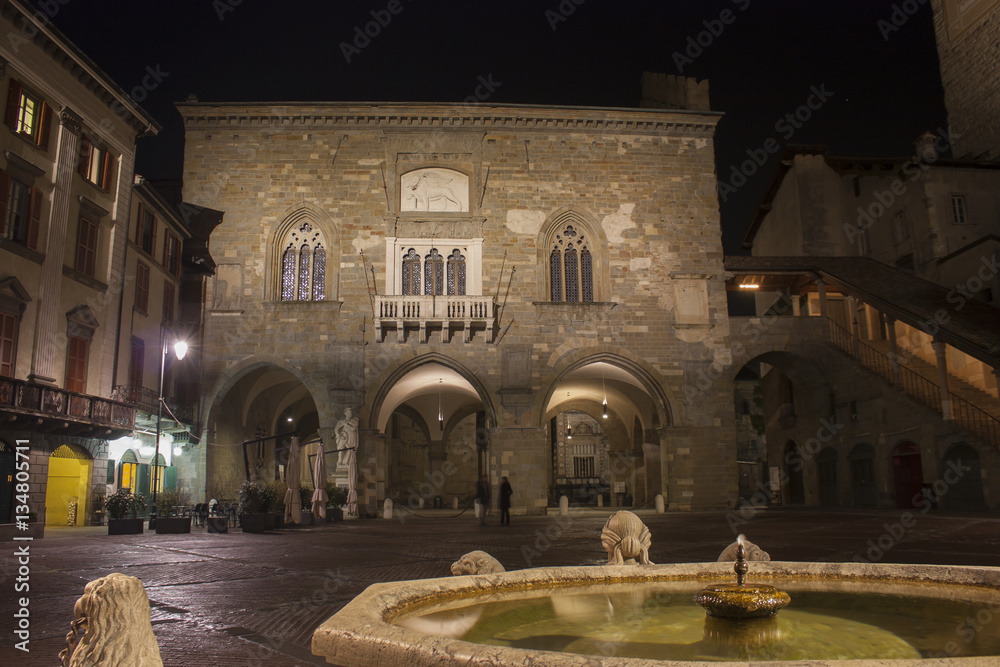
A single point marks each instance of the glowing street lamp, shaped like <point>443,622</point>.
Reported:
<point>180,349</point>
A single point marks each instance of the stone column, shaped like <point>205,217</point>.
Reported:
<point>49,329</point>
<point>942,366</point>
<point>821,289</point>
<point>890,325</point>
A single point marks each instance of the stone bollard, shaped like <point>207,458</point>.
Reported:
<point>387,509</point>
<point>420,502</point>
<point>112,626</point>
<point>454,503</point>
<point>563,506</point>
<point>600,500</point>
<point>659,503</point>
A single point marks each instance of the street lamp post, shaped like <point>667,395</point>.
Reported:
<point>180,349</point>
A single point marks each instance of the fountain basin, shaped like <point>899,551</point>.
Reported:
<point>369,630</point>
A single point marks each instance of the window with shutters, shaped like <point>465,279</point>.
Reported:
<point>168,302</point>
<point>142,287</point>
<point>145,233</point>
<point>86,247</point>
<point>77,349</point>
<point>96,165</point>
<point>136,362</point>
<point>27,115</point>
<point>9,325</point>
<point>172,254</point>
<point>20,211</point>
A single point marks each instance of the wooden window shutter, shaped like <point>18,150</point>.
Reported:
<point>45,120</point>
<point>166,250</point>
<point>13,104</point>
<point>138,228</point>
<point>107,172</point>
<point>4,200</point>
<point>83,166</point>
<point>35,218</point>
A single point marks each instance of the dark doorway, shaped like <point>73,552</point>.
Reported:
<point>793,469</point>
<point>863,491</point>
<point>961,470</point>
<point>7,470</point>
<point>907,475</point>
<point>826,467</point>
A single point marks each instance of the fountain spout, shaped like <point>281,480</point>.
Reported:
<point>741,601</point>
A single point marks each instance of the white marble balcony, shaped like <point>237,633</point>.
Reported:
<point>426,314</point>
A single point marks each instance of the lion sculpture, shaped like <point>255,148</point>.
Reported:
<point>477,562</point>
<point>113,615</point>
<point>750,552</point>
<point>626,539</point>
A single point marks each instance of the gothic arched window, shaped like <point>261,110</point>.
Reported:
<point>303,265</point>
<point>456,273</point>
<point>571,270</point>
<point>434,273</point>
<point>411,273</point>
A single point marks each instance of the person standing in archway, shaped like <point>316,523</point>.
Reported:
<point>505,493</point>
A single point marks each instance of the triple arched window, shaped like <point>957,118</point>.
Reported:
<point>433,274</point>
<point>303,264</point>
<point>571,265</point>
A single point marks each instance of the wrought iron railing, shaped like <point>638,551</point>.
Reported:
<point>969,416</point>
<point>30,398</point>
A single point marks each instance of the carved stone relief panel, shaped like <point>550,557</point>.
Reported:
<point>434,189</point>
<point>227,287</point>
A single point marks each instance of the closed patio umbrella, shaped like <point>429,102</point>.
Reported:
<point>319,483</point>
<point>293,476</point>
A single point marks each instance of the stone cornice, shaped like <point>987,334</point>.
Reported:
<point>417,117</point>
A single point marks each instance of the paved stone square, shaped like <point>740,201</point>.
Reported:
<point>246,599</point>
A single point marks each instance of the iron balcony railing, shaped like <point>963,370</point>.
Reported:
<point>35,399</point>
<point>969,416</point>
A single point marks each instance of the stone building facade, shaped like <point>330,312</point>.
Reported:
<point>968,34</point>
<point>467,281</point>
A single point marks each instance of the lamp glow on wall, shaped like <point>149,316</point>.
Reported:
<point>440,411</point>
<point>604,388</point>
<point>180,349</point>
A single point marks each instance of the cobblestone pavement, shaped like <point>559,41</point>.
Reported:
<point>247,599</point>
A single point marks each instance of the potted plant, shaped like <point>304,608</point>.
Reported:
<point>168,521</point>
<point>256,503</point>
<point>120,504</point>
<point>305,497</point>
<point>335,498</point>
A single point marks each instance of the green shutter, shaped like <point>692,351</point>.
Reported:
<point>142,486</point>
<point>111,472</point>
<point>169,478</point>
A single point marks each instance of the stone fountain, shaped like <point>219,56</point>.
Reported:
<point>740,601</point>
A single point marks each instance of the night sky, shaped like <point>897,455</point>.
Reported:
<point>883,84</point>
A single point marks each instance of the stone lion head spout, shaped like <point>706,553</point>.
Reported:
<point>626,539</point>
<point>476,562</point>
<point>113,615</point>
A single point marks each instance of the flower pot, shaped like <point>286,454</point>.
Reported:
<point>217,524</point>
<point>173,525</point>
<point>257,522</point>
<point>124,526</point>
<point>307,519</point>
<point>334,514</point>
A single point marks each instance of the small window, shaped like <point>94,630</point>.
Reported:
<point>86,247</point>
<point>303,265</point>
<point>865,243</point>
<point>20,211</point>
<point>141,287</point>
<point>28,115</point>
<point>136,363</point>
<point>168,302</point>
<point>8,343</point>
<point>76,364</point>
<point>145,233</point>
<point>96,164</point>
<point>959,214</point>
<point>900,227</point>
<point>172,254</point>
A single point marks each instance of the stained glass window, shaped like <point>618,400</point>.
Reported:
<point>288,275</point>
<point>305,259</point>
<point>433,273</point>
<point>571,267</point>
<point>303,265</point>
<point>319,274</point>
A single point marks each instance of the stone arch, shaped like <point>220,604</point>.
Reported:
<point>907,474</point>
<point>581,220</point>
<point>388,379</point>
<point>303,212</point>
<point>665,408</point>
<point>961,470</point>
